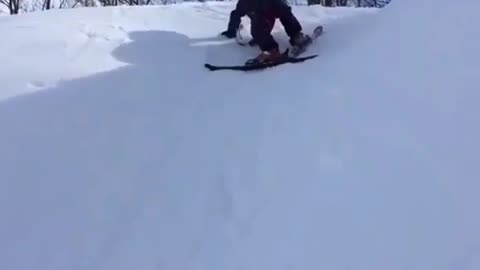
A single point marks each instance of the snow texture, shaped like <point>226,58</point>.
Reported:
<point>120,151</point>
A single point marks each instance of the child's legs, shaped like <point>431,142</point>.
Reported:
<point>262,25</point>
<point>284,12</point>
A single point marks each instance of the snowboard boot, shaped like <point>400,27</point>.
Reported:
<point>265,57</point>
<point>300,43</point>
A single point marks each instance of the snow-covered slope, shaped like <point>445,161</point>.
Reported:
<point>120,151</point>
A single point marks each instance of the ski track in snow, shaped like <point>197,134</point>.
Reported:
<point>120,151</point>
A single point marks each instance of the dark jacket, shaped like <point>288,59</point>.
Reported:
<point>252,8</point>
<point>263,14</point>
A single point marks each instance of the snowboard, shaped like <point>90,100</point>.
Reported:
<point>291,55</point>
<point>283,60</point>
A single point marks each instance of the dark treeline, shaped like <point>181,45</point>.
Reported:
<point>18,6</point>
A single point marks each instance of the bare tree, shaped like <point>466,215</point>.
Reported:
<point>372,3</point>
<point>47,4</point>
<point>358,3</point>
<point>12,5</point>
<point>125,2</point>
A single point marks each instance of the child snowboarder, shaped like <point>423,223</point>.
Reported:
<point>263,14</point>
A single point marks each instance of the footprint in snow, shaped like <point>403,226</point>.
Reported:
<point>39,85</point>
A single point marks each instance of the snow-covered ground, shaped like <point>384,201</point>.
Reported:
<point>119,150</point>
<point>41,49</point>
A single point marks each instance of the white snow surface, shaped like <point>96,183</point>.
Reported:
<point>119,150</point>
